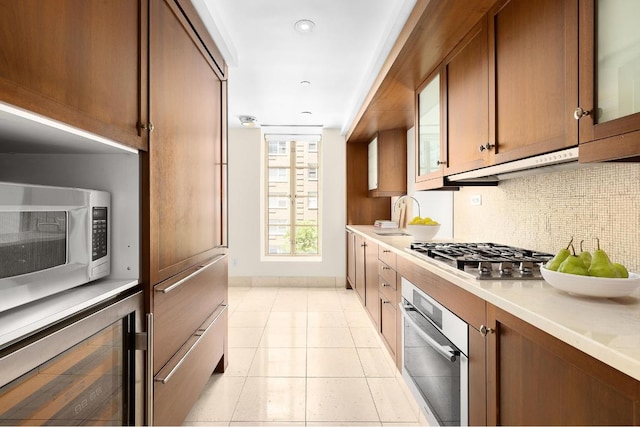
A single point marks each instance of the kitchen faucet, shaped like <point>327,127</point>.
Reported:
<point>403,197</point>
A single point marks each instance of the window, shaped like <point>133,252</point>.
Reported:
<point>313,174</point>
<point>278,175</point>
<point>292,220</point>
<point>278,148</point>
<point>312,201</point>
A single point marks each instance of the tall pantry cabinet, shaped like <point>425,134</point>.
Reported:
<point>185,252</point>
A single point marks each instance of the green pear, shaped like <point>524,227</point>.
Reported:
<point>555,262</point>
<point>622,270</point>
<point>573,265</point>
<point>585,256</point>
<point>601,265</point>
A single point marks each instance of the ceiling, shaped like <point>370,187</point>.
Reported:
<point>268,59</point>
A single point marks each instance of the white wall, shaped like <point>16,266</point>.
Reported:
<point>435,204</point>
<point>245,215</point>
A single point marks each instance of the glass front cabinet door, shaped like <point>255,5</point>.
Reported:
<point>429,152</point>
<point>609,105</point>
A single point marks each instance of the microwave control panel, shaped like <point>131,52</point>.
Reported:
<point>99,233</point>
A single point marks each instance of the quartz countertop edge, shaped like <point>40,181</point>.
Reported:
<point>607,329</point>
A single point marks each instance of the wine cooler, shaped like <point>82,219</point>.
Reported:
<point>85,371</point>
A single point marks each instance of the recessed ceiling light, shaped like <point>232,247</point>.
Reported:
<point>304,26</point>
<point>248,121</point>
<point>308,113</point>
<point>305,82</point>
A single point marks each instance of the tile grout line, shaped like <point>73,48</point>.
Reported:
<point>344,304</point>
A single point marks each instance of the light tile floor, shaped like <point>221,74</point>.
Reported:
<point>304,357</point>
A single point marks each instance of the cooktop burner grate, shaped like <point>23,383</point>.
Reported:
<point>485,260</point>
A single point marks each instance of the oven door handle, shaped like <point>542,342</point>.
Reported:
<point>446,351</point>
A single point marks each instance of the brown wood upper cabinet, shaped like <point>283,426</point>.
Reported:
<point>533,74</point>
<point>79,62</point>
<point>466,94</point>
<point>609,107</point>
<point>185,149</point>
<point>387,163</point>
<point>507,92</point>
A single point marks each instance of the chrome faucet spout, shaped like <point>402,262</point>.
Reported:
<point>395,205</point>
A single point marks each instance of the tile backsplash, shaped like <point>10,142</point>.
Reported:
<point>542,212</point>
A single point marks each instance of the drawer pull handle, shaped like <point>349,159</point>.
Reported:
<point>386,251</point>
<point>384,285</point>
<point>200,333</point>
<point>384,267</point>
<point>166,290</point>
<point>384,301</point>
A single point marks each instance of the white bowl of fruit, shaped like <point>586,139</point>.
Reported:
<point>422,229</point>
<point>587,274</point>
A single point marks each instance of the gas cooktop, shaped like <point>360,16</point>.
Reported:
<point>484,261</point>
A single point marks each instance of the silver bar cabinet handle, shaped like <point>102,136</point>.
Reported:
<point>173,286</point>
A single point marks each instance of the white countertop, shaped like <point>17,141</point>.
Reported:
<point>608,329</point>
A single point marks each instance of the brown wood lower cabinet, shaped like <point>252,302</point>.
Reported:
<point>389,298</point>
<point>351,260</point>
<point>359,260</point>
<point>388,317</point>
<point>518,374</point>
<point>190,337</point>
<point>540,380</point>
<point>179,384</point>
<point>372,299</point>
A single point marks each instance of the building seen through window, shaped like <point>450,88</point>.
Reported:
<point>292,216</point>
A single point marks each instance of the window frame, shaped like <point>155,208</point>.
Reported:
<point>301,202</point>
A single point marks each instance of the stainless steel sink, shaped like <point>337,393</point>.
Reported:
<point>392,233</point>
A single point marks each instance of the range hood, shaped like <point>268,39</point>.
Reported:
<point>550,162</point>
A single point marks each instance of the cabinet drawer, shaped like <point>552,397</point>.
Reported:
<point>387,256</point>
<point>179,384</point>
<point>183,303</point>
<point>387,291</point>
<point>388,323</point>
<point>387,274</point>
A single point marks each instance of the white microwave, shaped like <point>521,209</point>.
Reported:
<point>51,239</point>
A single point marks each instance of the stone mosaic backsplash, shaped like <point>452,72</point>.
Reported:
<point>542,212</point>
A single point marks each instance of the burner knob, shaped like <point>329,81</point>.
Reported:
<point>526,268</point>
<point>485,268</point>
<point>506,268</point>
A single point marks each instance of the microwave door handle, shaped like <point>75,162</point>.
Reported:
<point>446,351</point>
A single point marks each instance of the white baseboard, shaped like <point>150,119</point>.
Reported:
<point>288,281</point>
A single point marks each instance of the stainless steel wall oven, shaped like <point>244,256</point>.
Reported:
<point>435,357</point>
<point>84,370</point>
